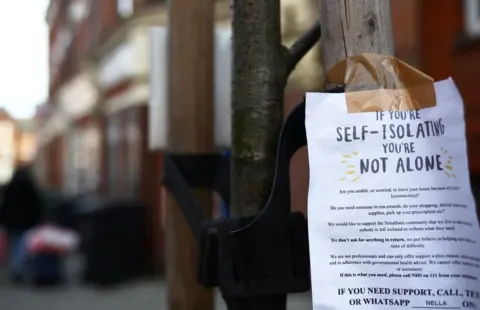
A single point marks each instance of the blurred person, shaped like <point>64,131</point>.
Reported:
<point>20,211</point>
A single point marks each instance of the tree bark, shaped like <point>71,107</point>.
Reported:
<point>259,77</point>
<point>353,27</point>
<point>261,66</point>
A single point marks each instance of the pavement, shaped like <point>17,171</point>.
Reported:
<point>143,295</point>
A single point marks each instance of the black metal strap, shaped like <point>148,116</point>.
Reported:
<point>248,258</point>
<point>257,256</point>
<point>204,170</point>
<point>175,182</point>
<point>185,171</point>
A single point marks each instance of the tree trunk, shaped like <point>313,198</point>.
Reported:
<point>259,78</point>
<point>260,71</point>
<point>353,27</point>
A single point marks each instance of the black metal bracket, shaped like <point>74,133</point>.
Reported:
<point>266,255</point>
<point>184,171</point>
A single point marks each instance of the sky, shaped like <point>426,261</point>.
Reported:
<point>23,56</point>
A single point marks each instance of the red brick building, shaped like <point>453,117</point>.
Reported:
<point>94,136</point>
<point>17,144</point>
<point>98,60</point>
<point>74,34</point>
<point>441,37</point>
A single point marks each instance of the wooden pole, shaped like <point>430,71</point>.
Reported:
<point>190,101</point>
<point>352,27</point>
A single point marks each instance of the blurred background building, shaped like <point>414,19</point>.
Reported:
<point>17,144</point>
<point>100,130</point>
<point>97,129</point>
<point>100,87</point>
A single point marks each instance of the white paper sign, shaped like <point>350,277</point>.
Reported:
<point>392,220</point>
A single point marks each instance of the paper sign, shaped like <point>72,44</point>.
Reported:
<point>392,220</point>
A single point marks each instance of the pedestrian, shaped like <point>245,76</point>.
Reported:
<point>20,211</point>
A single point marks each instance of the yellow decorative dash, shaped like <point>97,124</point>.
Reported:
<point>350,168</point>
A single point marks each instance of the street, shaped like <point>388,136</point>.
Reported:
<point>141,296</point>
<point>144,295</point>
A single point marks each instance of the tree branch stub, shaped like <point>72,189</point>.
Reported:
<point>303,45</point>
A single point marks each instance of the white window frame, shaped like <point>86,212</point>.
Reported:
<point>52,12</point>
<point>472,17</point>
<point>62,43</point>
<point>79,10</point>
<point>125,8</point>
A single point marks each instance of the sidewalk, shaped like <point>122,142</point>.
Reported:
<point>141,296</point>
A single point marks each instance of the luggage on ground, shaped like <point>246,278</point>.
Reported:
<point>46,268</point>
<point>47,247</point>
<point>51,239</point>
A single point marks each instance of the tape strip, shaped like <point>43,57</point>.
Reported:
<point>375,82</point>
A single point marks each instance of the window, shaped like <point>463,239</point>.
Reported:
<point>78,11</point>
<point>113,140</point>
<point>52,12</point>
<point>472,17</point>
<point>133,136</point>
<point>71,156</point>
<point>60,47</point>
<point>90,148</point>
<point>125,8</point>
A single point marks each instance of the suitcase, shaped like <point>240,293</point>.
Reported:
<point>46,269</point>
